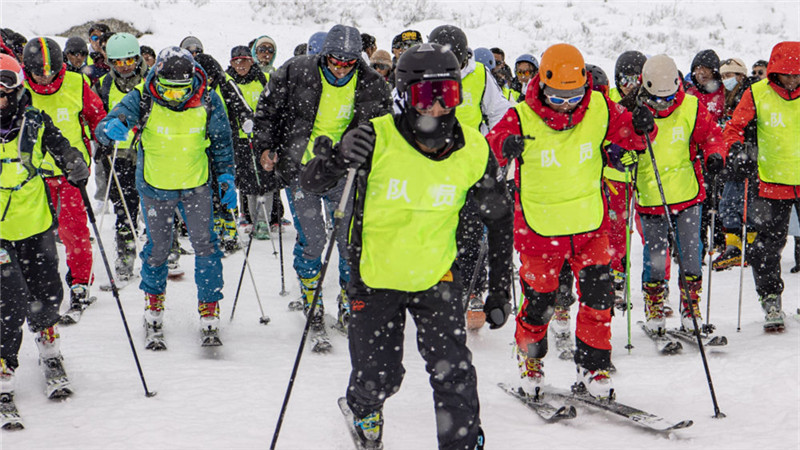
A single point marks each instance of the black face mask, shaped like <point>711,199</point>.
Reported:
<point>8,113</point>
<point>432,132</point>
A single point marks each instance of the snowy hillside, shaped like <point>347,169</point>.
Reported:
<point>230,397</point>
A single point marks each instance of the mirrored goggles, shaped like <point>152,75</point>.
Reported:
<point>265,49</point>
<point>10,79</point>
<point>629,80</point>
<point>341,62</point>
<point>524,73</point>
<point>555,100</point>
<point>124,62</point>
<point>425,94</point>
<point>174,93</point>
<point>668,98</point>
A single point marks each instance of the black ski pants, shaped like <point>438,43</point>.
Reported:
<point>376,330</point>
<point>29,289</point>
<point>126,173</point>
<point>771,219</point>
<point>470,235</point>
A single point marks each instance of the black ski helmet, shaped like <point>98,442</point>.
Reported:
<point>452,38</point>
<point>628,63</point>
<point>428,61</point>
<point>42,56</point>
<point>174,65</point>
<point>599,77</point>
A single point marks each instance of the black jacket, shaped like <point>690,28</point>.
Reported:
<point>288,107</point>
<point>496,209</point>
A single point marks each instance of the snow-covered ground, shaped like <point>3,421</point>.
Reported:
<point>230,397</point>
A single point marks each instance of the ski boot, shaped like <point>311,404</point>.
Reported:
<point>58,386</point>
<point>126,254</point>
<point>560,324</point>
<point>531,373</point>
<point>307,288</point>
<point>796,267</point>
<point>618,280</point>
<point>369,430</point>
<point>154,322</point>
<point>654,294</point>
<point>10,418</point>
<point>79,296</point>
<point>7,380</point>
<point>694,286</point>
<point>261,231</point>
<point>771,304</point>
<point>209,323</point>
<point>732,256</point>
<point>476,318</point>
<point>344,311</point>
<point>230,238</point>
<point>596,383</point>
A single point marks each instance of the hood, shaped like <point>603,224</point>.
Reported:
<point>264,40</point>
<point>534,98</point>
<point>785,59</point>
<point>344,41</point>
<point>706,58</point>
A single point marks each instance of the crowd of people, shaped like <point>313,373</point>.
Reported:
<point>453,158</point>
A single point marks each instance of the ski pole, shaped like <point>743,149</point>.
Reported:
<point>339,219</point>
<point>744,250</point>
<point>714,206</point>
<point>103,211</point>
<point>88,206</point>
<point>629,206</point>
<point>125,207</point>
<point>283,291</point>
<point>264,319</point>
<point>682,277</point>
<point>514,306</point>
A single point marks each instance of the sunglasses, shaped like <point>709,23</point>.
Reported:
<point>555,100</point>
<point>173,92</point>
<point>124,62</point>
<point>341,62</point>
<point>79,53</point>
<point>526,73</point>
<point>265,49</point>
<point>10,79</point>
<point>194,50</point>
<point>758,73</point>
<point>381,66</point>
<point>95,37</point>
<point>666,99</point>
<point>425,94</point>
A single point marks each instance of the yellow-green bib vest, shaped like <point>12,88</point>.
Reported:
<point>411,209</point>
<point>334,113</point>
<point>614,95</point>
<point>24,208</point>
<point>64,107</point>
<point>174,146</point>
<point>560,177</point>
<point>469,112</point>
<point>251,92</point>
<point>114,97</point>
<point>608,171</point>
<point>778,132</point>
<point>673,156</point>
<point>511,95</point>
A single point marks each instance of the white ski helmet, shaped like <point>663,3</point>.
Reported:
<point>660,76</point>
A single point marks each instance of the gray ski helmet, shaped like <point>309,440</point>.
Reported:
<point>485,56</point>
<point>452,38</point>
<point>528,58</point>
<point>76,44</point>
<point>660,76</point>
<point>192,44</point>
<point>42,56</point>
<point>425,62</point>
<point>174,65</point>
<point>599,77</point>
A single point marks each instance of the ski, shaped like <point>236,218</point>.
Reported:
<point>774,327</point>
<point>545,410</point>
<point>121,284</point>
<point>57,383</point>
<point>349,419</point>
<point>333,323</point>
<point>664,344</point>
<point>708,340</point>
<point>320,342</point>
<point>74,313</point>
<point>630,413</point>
<point>9,414</point>
<point>176,274</point>
<point>211,338</point>
<point>566,350</point>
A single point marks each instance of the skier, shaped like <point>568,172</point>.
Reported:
<point>690,140</point>
<point>561,216</point>
<point>30,288</point>
<point>66,96</point>
<point>311,96</point>
<point>263,51</point>
<point>127,71</point>
<point>416,170</point>
<point>257,188</point>
<point>175,93</point>
<point>75,53</point>
<point>525,67</point>
<point>771,105</point>
<point>482,107</point>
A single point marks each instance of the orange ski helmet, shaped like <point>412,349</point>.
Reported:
<point>562,67</point>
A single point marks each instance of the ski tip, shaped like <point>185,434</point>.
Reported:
<point>60,394</point>
<point>12,426</point>
<point>685,424</point>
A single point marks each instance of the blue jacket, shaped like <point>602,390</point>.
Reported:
<point>219,131</point>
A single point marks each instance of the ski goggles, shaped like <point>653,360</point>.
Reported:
<point>668,98</point>
<point>524,73</point>
<point>124,62</point>
<point>341,63</point>
<point>95,37</point>
<point>171,92</point>
<point>558,101</point>
<point>379,66</point>
<point>629,80</point>
<point>265,49</point>
<point>83,53</point>
<point>425,94</point>
<point>10,79</point>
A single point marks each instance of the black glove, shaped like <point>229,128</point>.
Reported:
<point>356,146</point>
<point>77,172</point>
<point>714,164</point>
<point>497,309</point>
<point>513,147</point>
<point>740,162</point>
<point>643,122</point>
